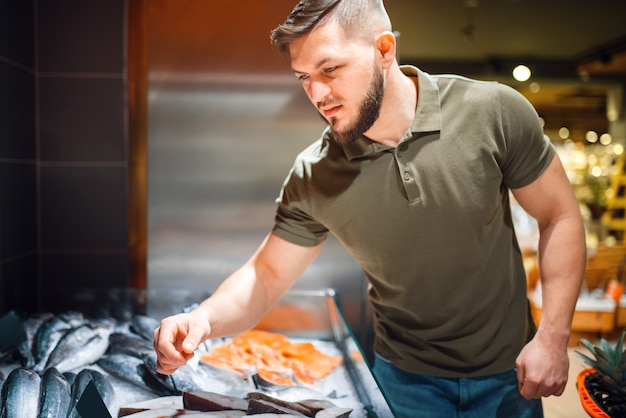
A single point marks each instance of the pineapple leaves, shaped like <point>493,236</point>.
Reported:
<point>609,361</point>
<point>607,384</point>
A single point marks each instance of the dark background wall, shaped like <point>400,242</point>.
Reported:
<point>63,152</point>
<point>18,209</point>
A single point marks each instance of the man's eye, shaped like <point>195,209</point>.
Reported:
<point>330,69</point>
<point>302,77</point>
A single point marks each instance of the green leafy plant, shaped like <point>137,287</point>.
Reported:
<point>607,385</point>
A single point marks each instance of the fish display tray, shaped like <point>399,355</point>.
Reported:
<point>302,315</point>
<point>311,316</point>
<point>316,316</point>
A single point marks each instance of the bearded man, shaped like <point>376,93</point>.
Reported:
<point>412,176</point>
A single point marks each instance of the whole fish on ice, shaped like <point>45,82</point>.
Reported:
<point>198,376</point>
<point>144,326</point>
<point>48,334</point>
<point>56,396</point>
<point>80,347</point>
<point>83,378</point>
<point>128,343</point>
<point>20,394</point>
<point>133,370</point>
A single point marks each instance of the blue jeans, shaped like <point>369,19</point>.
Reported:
<point>419,396</point>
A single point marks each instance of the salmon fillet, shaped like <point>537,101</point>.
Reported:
<point>273,357</point>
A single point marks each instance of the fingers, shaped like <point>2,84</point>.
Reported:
<point>168,358</point>
<point>193,339</point>
<point>542,369</point>
<point>534,389</point>
<point>529,391</point>
<point>520,382</point>
<point>560,391</point>
<point>174,344</point>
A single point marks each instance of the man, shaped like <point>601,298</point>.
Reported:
<point>412,176</point>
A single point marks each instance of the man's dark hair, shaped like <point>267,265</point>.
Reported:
<point>354,16</point>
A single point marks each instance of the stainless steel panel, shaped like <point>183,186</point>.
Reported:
<point>224,126</point>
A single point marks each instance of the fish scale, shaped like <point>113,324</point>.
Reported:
<point>83,378</point>
<point>55,395</point>
<point>144,326</point>
<point>132,370</point>
<point>49,333</point>
<point>78,347</point>
<point>20,394</point>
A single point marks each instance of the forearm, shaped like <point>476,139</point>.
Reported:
<point>562,260</point>
<point>238,303</point>
<point>242,299</point>
<point>543,364</point>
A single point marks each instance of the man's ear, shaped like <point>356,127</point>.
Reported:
<point>386,44</point>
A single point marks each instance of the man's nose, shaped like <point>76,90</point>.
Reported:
<point>318,91</point>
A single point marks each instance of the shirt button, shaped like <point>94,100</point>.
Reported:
<point>407,176</point>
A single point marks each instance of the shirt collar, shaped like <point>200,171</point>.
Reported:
<point>428,113</point>
<point>427,116</point>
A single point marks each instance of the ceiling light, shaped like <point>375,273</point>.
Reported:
<point>521,73</point>
<point>591,137</point>
<point>564,133</point>
<point>606,139</point>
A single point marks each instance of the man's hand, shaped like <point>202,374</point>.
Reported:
<point>543,366</point>
<point>176,340</point>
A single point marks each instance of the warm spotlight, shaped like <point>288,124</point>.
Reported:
<point>521,73</point>
<point>591,137</point>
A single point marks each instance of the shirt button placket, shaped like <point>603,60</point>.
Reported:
<point>410,185</point>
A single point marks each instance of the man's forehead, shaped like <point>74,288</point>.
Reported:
<point>315,59</point>
<point>319,46</point>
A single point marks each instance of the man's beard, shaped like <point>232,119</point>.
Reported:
<point>368,113</point>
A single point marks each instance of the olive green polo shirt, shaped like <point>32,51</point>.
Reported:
<point>429,223</point>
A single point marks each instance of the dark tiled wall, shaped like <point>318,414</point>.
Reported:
<point>18,168</point>
<point>63,155</point>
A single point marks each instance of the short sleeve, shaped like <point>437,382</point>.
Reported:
<point>528,150</point>
<point>294,221</point>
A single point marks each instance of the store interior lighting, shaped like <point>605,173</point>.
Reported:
<point>591,137</point>
<point>606,139</point>
<point>521,73</point>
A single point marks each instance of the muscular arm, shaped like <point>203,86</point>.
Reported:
<point>245,296</point>
<point>237,304</point>
<point>543,364</point>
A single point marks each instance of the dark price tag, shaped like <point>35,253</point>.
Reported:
<point>12,332</point>
<point>91,404</point>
